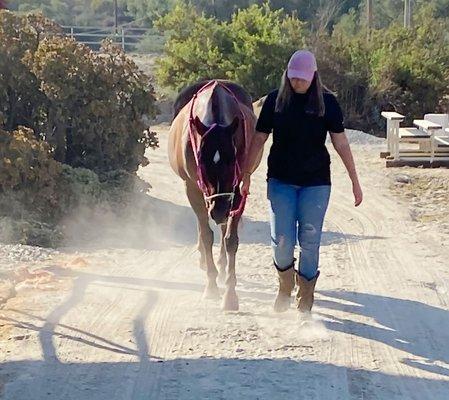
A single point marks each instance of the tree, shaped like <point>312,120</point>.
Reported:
<point>262,42</point>
<point>386,12</point>
<point>251,49</point>
<point>149,10</point>
<point>195,49</point>
<point>399,69</point>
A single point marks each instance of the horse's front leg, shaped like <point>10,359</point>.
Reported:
<point>223,259</point>
<point>206,239</point>
<point>203,264</point>
<point>230,299</point>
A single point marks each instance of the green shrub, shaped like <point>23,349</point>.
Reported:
<point>96,105</point>
<point>21,101</point>
<point>73,128</point>
<point>27,172</point>
<point>406,70</point>
<point>37,192</point>
<point>393,68</point>
<point>251,49</point>
<point>91,108</point>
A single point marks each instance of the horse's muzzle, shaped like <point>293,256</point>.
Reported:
<point>220,208</point>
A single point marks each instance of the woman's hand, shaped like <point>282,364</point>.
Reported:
<point>358,194</point>
<point>246,182</point>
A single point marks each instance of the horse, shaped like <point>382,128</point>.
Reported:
<point>209,139</point>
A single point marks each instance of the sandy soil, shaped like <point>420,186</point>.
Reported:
<point>125,319</point>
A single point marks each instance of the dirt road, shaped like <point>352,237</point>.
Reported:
<point>128,322</point>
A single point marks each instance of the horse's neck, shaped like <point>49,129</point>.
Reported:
<point>217,105</point>
<point>248,126</point>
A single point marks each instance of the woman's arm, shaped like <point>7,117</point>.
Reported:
<point>257,143</point>
<point>341,145</point>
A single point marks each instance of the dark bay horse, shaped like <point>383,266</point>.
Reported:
<point>209,139</point>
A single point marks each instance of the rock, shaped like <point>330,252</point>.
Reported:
<point>403,178</point>
<point>21,337</point>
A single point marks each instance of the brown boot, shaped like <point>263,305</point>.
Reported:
<point>305,294</point>
<point>286,285</point>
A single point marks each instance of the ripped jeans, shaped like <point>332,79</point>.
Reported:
<point>297,215</point>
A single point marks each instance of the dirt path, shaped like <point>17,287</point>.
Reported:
<point>129,323</point>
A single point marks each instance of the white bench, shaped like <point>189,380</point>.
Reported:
<point>442,141</point>
<point>441,137</point>
<point>427,132</point>
<point>396,135</point>
<point>412,134</point>
<point>426,125</point>
<point>393,122</point>
<point>440,119</point>
<point>439,140</point>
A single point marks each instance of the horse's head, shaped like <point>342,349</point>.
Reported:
<point>217,158</point>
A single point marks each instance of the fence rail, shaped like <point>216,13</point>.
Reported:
<point>128,38</point>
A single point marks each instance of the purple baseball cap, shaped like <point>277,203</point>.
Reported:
<point>302,65</point>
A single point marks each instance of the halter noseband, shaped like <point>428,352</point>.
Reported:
<point>213,196</point>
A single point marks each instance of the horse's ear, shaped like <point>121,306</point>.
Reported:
<point>200,127</point>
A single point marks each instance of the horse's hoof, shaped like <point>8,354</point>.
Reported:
<point>230,302</point>
<point>211,293</point>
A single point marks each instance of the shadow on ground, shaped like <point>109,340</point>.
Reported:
<point>206,378</point>
<point>396,325</point>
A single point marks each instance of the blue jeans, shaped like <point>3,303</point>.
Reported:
<point>297,215</point>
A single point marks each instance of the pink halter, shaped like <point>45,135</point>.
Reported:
<point>238,210</point>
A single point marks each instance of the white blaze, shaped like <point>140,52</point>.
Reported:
<point>216,157</point>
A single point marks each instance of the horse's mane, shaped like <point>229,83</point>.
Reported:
<point>187,93</point>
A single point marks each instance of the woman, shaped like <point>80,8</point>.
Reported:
<point>299,114</point>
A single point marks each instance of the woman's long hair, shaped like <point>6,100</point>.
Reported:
<point>315,102</point>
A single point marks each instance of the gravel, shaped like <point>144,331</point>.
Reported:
<point>362,138</point>
<point>13,255</point>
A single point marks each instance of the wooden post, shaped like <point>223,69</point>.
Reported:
<point>115,16</point>
<point>407,13</point>
<point>123,39</point>
<point>369,16</point>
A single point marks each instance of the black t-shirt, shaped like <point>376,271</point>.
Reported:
<point>299,155</point>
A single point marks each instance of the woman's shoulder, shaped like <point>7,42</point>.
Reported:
<point>272,95</point>
<point>269,100</point>
<point>329,96</point>
<point>331,102</point>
